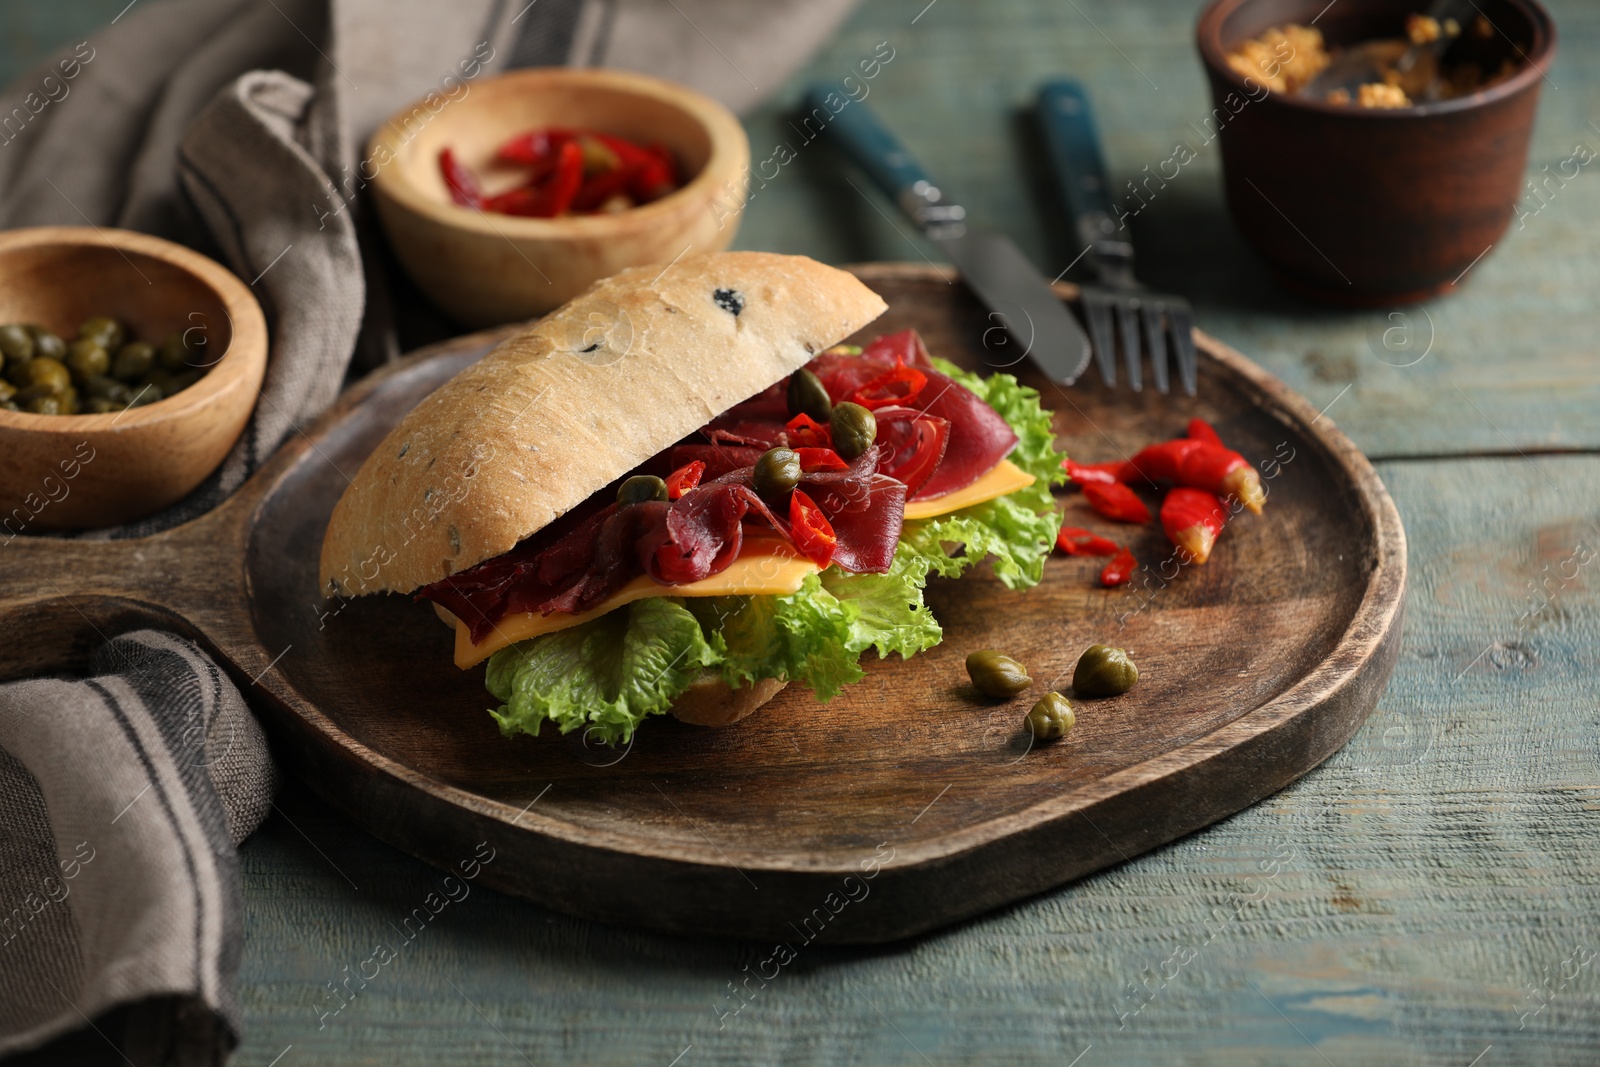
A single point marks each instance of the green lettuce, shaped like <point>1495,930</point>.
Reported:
<point>1018,530</point>
<point>607,675</point>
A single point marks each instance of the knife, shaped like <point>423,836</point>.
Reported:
<point>990,263</point>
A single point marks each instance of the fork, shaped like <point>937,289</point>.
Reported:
<point>1119,303</point>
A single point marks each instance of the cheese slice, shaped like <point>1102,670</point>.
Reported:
<point>1005,478</point>
<point>767,566</point>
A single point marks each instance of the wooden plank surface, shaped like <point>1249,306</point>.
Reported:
<point>1430,896</point>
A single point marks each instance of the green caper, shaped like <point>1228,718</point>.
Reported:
<point>1051,717</point>
<point>86,359</point>
<point>145,394</point>
<point>808,397</point>
<point>854,429</point>
<point>7,390</point>
<point>175,352</point>
<point>47,405</point>
<point>639,488</point>
<point>996,675</point>
<point>108,387</point>
<point>105,329</point>
<point>16,342</point>
<point>101,405</point>
<point>50,373</point>
<point>14,369</point>
<point>1104,671</point>
<point>777,473</point>
<point>134,360</point>
<point>46,343</point>
<point>10,405</point>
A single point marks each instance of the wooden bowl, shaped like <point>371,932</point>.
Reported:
<point>484,268</point>
<point>76,471</point>
<point>1363,206</point>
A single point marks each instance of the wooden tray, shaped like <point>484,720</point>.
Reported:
<point>904,804</point>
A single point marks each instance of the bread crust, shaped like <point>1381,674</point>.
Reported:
<point>710,702</point>
<point>638,361</point>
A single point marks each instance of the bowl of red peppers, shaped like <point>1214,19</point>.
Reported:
<point>515,196</point>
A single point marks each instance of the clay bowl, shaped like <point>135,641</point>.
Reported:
<point>1370,207</point>
<point>487,268</point>
<point>77,471</point>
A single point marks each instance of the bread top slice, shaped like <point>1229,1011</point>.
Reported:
<point>553,414</point>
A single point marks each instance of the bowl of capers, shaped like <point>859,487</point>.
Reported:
<point>129,366</point>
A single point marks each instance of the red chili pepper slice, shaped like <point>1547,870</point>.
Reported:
<point>810,529</point>
<point>805,432</point>
<point>1085,473</point>
<point>553,197</point>
<point>1116,501</point>
<point>1193,519</point>
<point>1223,472</point>
<point>1161,462</point>
<point>599,188</point>
<point>911,444</point>
<point>684,478</point>
<point>458,177</point>
<point>1119,570</point>
<point>1201,430</point>
<point>534,147</point>
<point>899,386</point>
<point>820,459</point>
<point>1076,541</point>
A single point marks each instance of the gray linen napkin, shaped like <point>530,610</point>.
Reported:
<point>235,128</point>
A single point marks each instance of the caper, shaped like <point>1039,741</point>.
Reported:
<point>996,675</point>
<point>86,359</point>
<point>101,405</point>
<point>808,397</point>
<point>134,360</point>
<point>639,488</point>
<point>14,369</point>
<point>47,405</point>
<point>1051,717</point>
<point>50,373</point>
<point>46,343</point>
<point>105,329</point>
<point>1104,671</point>
<point>854,429</point>
<point>10,405</point>
<point>145,394</point>
<point>7,390</point>
<point>175,352</point>
<point>103,386</point>
<point>16,342</point>
<point>777,473</point>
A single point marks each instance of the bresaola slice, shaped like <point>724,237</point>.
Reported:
<point>979,437</point>
<point>696,536</point>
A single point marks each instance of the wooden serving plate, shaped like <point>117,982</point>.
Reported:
<point>907,802</point>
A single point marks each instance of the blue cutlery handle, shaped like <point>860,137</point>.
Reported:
<point>1074,150</point>
<point>868,142</point>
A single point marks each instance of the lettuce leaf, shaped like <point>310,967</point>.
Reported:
<point>1017,530</point>
<point>610,673</point>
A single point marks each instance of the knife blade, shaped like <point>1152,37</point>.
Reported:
<point>993,267</point>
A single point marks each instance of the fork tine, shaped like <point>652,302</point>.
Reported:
<point>1155,336</point>
<point>1098,312</point>
<point>1128,321</point>
<point>1181,322</point>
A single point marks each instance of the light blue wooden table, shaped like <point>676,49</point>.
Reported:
<point>1430,896</point>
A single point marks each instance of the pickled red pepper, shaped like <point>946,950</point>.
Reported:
<point>1193,520</point>
<point>1116,502</point>
<point>570,172</point>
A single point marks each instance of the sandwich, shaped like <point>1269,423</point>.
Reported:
<point>679,493</point>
